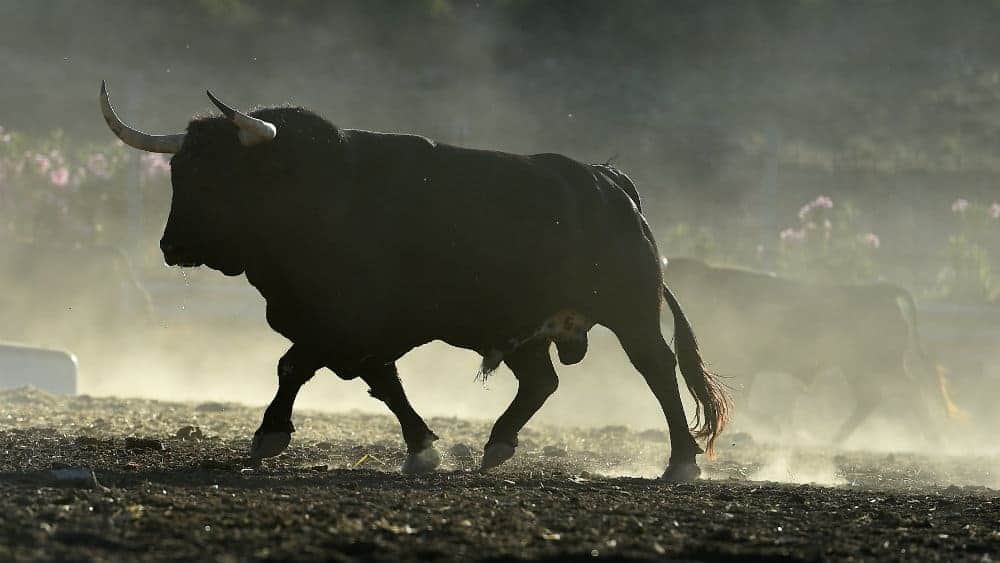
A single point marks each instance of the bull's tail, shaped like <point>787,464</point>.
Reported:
<point>712,401</point>
<point>954,411</point>
<point>935,376</point>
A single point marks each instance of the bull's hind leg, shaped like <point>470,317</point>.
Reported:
<point>657,364</point>
<point>866,401</point>
<point>384,385</point>
<point>295,368</point>
<point>536,381</point>
<point>651,355</point>
<point>867,394</point>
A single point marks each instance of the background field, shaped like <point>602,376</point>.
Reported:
<point>730,117</point>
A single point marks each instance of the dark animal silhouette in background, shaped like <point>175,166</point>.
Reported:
<point>753,322</point>
<point>366,245</point>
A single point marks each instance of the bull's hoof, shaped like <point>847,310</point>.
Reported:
<point>681,472</point>
<point>495,454</point>
<point>269,444</point>
<point>424,461</point>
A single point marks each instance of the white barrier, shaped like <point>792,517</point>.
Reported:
<point>53,371</point>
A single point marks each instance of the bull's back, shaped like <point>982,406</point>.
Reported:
<point>502,213</point>
<point>751,322</point>
<point>509,236</point>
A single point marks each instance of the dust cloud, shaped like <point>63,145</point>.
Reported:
<point>735,122</point>
<point>784,469</point>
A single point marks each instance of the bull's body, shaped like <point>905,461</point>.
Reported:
<point>420,241</point>
<point>366,245</point>
<point>756,322</point>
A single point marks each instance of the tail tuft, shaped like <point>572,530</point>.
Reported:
<point>932,372</point>
<point>713,404</point>
<point>954,411</point>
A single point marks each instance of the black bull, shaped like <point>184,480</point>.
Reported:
<point>366,245</point>
<point>754,322</point>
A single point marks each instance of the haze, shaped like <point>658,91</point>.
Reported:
<point>729,117</point>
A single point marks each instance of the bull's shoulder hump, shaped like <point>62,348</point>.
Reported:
<point>556,159</point>
<point>363,135</point>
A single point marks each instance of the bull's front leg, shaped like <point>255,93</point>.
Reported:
<point>275,433</point>
<point>384,385</point>
<point>536,381</point>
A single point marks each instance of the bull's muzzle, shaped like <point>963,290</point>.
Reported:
<point>175,256</point>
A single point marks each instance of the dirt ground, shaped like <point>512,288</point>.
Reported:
<point>170,482</point>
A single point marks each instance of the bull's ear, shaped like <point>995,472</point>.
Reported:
<point>253,131</point>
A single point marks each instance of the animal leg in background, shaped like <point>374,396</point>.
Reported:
<point>921,412</point>
<point>384,385</point>
<point>867,396</point>
<point>294,368</point>
<point>536,381</point>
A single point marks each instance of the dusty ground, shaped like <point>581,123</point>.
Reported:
<point>336,493</point>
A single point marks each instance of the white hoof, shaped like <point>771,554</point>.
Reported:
<point>269,444</point>
<point>681,473</point>
<point>495,455</point>
<point>424,461</point>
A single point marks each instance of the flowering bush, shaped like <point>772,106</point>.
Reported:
<point>54,191</point>
<point>968,274</point>
<point>827,245</point>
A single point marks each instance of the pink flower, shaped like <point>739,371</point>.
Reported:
<point>792,235</point>
<point>871,240</point>
<point>823,202</point>
<point>960,205</point>
<point>155,164</point>
<point>995,210</point>
<point>97,163</point>
<point>59,176</point>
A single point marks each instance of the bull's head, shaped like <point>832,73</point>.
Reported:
<point>211,162</point>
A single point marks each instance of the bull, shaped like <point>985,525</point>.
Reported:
<point>366,245</point>
<point>760,322</point>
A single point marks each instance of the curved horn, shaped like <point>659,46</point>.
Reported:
<point>252,130</point>
<point>133,137</point>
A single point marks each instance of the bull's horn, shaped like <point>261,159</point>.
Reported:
<point>252,130</point>
<point>133,137</point>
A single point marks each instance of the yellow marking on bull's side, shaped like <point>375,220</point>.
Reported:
<point>566,324</point>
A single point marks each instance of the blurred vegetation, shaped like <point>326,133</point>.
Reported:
<point>729,115</point>
<point>66,194</point>
<point>827,245</point>
<point>973,249</point>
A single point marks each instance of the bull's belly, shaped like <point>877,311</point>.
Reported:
<point>349,348</point>
<point>567,329</point>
